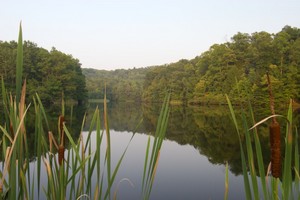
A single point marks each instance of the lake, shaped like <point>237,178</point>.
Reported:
<point>199,141</point>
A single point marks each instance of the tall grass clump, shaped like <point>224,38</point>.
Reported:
<point>151,159</point>
<point>276,184</point>
<point>70,166</point>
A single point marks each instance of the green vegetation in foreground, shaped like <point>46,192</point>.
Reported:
<point>69,165</point>
<point>286,186</point>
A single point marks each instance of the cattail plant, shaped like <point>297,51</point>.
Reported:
<point>274,130</point>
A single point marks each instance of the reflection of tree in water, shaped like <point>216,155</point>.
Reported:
<point>73,124</point>
<point>210,130</point>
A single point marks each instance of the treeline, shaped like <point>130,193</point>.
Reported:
<point>237,68</point>
<point>121,84</point>
<point>48,73</point>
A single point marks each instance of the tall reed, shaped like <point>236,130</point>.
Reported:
<point>151,163</point>
<point>272,187</point>
<point>69,165</point>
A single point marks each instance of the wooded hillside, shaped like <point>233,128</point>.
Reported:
<point>237,68</point>
<point>47,73</point>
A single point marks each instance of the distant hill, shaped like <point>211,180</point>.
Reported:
<point>237,68</point>
<point>121,84</point>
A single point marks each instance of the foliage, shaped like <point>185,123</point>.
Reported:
<point>239,64</point>
<point>272,187</point>
<point>47,73</point>
<point>69,171</point>
<point>121,85</point>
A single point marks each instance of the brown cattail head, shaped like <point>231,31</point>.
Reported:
<point>61,154</point>
<point>11,130</point>
<point>275,149</point>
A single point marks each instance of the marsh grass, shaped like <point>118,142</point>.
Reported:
<point>69,165</point>
<point>284,187</point>
<point>151,159</point>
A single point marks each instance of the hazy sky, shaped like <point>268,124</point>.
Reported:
<point>124,34</point>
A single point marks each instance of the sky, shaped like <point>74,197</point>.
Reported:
<point>115,34</point>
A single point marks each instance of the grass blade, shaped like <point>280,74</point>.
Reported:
<point>19,66</point>
<point>244,166</point>
<point>288,155</point>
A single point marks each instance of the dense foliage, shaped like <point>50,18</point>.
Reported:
<point>121,84</point>
<point>237,68</point>
<point>47,73</point>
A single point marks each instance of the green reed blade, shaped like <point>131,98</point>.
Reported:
<point>91,168</point>
<point>4,131</point>
<point>74,146</point>
<point>287,181</point>
<point>108,145</point>
<point>38,146</point>
<point>259,156</point>
<point>92,125</point>
<point>67,166</point>
<point>245,175</point>
<point>79,168</point>
<point>19,66</point>
<point>150,169</point>
<point>118,166</point>
<point>12,194</point>
<point>159,135</point>
<point>145,163</point>
<point>296,168</point>
<point>244,166</point>
<point>98,147</point>
<point>10,164</point>
<point>24,185</point>
<point>232,114</point>
<point>250,158</point>
<point>62,186</point>
<point>275,188</point>
<point>43,111</point>
<point>72,184</point>
<point>5,100</point>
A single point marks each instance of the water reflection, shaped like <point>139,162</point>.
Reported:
<point>208,129</point>
<point>199,141</point>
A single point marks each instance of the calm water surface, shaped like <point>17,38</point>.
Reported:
<point>199,141</point>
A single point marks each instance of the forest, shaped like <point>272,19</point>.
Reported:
<point>237,68</point>
<point>51,74</point>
